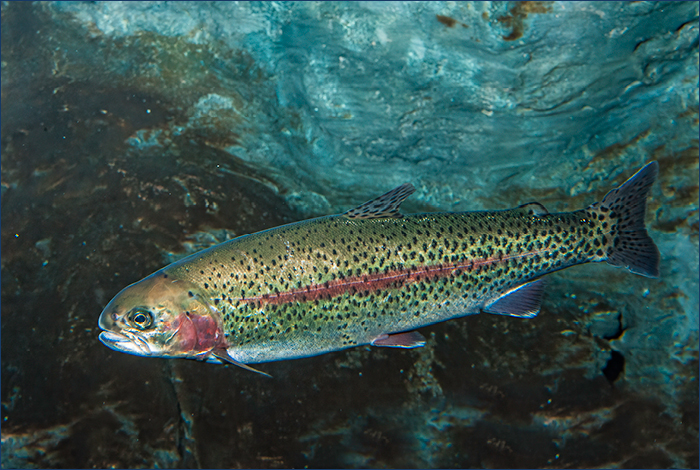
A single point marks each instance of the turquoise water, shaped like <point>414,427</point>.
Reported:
<point>133,134</point>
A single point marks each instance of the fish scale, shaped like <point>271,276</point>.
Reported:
<point>370,276</point>
<point>347,263</point>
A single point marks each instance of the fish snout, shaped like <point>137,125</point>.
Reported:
<point>107,320</point>
<point>115,336</point>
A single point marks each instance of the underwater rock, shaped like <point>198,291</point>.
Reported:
<point>134,133</point>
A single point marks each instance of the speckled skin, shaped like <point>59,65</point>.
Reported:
<point>344,280</point>
<point>475,258</point>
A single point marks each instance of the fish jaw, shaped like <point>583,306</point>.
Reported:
<point>123,343</point>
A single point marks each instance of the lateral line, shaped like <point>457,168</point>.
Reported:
<point>370,282</point>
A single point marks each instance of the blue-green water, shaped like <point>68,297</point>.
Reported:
<point>133,133</point>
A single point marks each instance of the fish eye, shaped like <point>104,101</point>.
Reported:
<point>140,318</point>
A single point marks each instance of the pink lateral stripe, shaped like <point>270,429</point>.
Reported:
<point>372,282</point>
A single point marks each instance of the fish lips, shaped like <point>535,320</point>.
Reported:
<point>123,343</point>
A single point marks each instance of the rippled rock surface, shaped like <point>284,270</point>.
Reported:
<point>135,133</point>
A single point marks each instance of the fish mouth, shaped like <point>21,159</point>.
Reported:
<point>123,343</point>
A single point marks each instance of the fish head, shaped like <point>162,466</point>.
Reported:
<point>162,317</point>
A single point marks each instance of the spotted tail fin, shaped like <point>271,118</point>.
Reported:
<point>625,206</point>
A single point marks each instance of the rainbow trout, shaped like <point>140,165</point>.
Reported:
<point>370,276</point>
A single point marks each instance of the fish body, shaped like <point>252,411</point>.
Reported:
<point>370,276</point>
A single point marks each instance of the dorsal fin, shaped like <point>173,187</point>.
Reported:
<point>385,206</point>
<point>533,208</point>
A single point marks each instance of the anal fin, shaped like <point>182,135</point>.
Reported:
<point>521,301</point>
<point>225,357</point>
<point>407,340</point>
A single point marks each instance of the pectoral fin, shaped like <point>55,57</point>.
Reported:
<point>522,301</point>
<point>224,356</point>
<point>408,340</point>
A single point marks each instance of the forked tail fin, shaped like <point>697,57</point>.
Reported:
<point>625,207</point>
